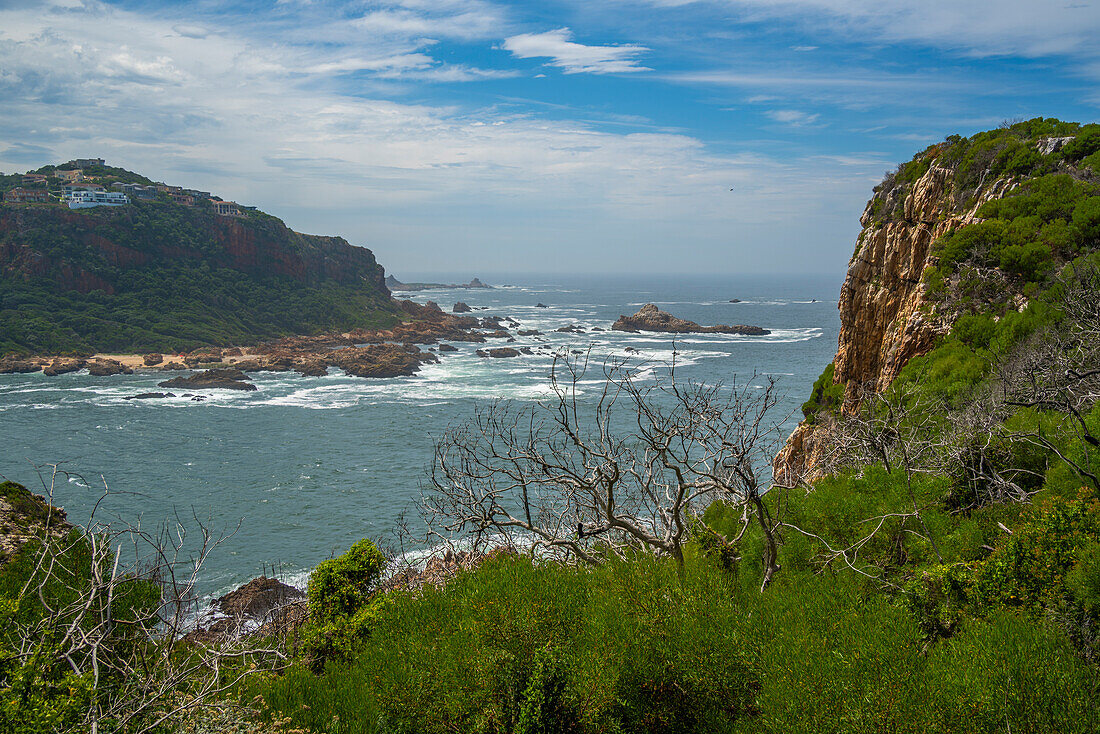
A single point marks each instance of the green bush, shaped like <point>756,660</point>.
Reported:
<point>342,610</point>
<point>826,395</point>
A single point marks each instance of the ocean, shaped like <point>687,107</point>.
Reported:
<point>305,466</point>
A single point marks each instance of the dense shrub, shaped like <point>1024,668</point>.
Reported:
<point>826,395</point>
<point>341,608</point>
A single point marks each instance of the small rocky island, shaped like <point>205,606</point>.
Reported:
<point>396,285</point>
<point>651,318</point>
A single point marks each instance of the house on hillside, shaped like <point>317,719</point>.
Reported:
<point>32,179</point>
<point>226,208</point>
<point>87,162</point>
<point>71,176</point>
<point>184,199</point>
<point>136,191</point>
<point>87,198</point>
<point>20,195</point>
<point>67,190</point>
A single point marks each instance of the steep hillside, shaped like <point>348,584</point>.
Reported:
<point>968,233</point>
<point>166,277</point>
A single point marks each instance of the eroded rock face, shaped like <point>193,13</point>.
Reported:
<point>885,317</point>
<point>224,379</point>
<point>651,318</point>
<point>15,365</point>
<point>26,516</point>
<point>62,366</point>
<point>885,320</point>
<point>150,360</point>
<point>105,367</point>
<point>461,307</point>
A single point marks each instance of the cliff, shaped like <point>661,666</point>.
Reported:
<point>158,276</point>
<point>898,300</point>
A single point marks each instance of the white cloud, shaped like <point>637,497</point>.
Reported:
<point>269,122</point>
<point>794,118</point>
<point>1004,27</point>
<point>802,49</point>
<point>575,58</point>
<point>479,21</point>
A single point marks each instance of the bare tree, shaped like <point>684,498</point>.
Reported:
<point>1058,370</point>
<point>142,672</point>
<point>587,476</point>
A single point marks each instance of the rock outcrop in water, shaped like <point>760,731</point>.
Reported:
<point>222,379</point>
<point>101,367</point>
<point>651,318</point>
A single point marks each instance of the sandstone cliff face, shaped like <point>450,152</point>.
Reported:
<point>885,320</point>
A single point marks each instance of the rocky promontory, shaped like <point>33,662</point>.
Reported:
<point>651,318</point>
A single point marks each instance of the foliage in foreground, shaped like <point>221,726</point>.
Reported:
<point>998,634</point>
<point>631,647</point>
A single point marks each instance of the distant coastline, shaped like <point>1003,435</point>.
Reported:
<point>396,285</point>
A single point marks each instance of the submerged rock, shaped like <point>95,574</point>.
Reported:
<point>150,396</point>
<point>651,318</point>
<point>447,348</point>
<point>498,352</point>
<point>225,379</point>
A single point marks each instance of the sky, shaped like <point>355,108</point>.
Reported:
<point>571,136</point>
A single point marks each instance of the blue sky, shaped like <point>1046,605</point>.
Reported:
<point>491,137</point>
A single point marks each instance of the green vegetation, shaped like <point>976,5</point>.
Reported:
<point>162,277</point>
<point>944,577</point>
<point>342,607</point>
<point>40,611</point>
<point>633,647</point>
<point>825,396</point>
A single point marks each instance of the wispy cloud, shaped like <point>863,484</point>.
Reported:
<point>794,118</point>
<point>576,58</point>
<point>978,27</point>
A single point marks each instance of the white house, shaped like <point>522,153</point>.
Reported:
<point>88,198</point>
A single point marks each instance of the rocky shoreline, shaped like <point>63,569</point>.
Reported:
<point>399,351</point>
<point>377,353</point>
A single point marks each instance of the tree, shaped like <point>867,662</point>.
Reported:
<point>93,642</point>
<point>586,477</point>
<point>1059,369</point>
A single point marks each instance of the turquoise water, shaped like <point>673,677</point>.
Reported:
<point>309,465</point>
